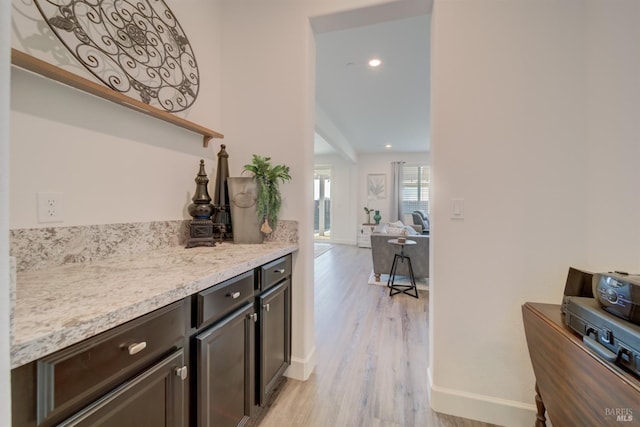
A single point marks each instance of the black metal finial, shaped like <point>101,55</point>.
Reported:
<point>201,226</point>
<point>222,218</point>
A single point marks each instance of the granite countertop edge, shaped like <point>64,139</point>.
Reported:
<point>61,306</point>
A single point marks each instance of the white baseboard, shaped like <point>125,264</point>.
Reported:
<point>479,407</point>
<point>301,369</point>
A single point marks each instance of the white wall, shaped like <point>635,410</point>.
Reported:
<point>344,192</point>
<point>268,69</point>
<point>111,164</point>
<point>5,377</point>
<point>512,135</point>
<point>325,127</point>
<point>268,74</point>
<point>531,102</point>
<point>613,126</point>
<point>380,163</point>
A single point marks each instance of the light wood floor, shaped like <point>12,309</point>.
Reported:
<point>372,355</point>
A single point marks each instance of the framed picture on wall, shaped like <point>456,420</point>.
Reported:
<point>376,186</point>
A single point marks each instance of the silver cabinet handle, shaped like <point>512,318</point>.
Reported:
<point>280,270</point>
<point>234,295</point>
<point>182,373</point>
<point>254,317</point>
<point>266,307</point>
<point>136,347</point>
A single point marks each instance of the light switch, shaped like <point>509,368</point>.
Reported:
<point>457,210</point>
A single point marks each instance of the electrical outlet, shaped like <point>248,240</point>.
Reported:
<point>50,208</point>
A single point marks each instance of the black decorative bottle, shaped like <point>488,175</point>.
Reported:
<point>201,226</point>
<point>222,217</point>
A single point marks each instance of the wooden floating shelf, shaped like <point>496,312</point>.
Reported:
<point>43,68</point>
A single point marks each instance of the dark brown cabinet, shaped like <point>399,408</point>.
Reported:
<point>242,344</point>
<point>136,370</point>
<point>225,352</point>
<point>154,398</point>
<point>225,364</point>
<point>273,305</point>
<point>212,359</point>
<point>274,337</point>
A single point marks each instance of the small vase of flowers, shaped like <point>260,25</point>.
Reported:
<point>368,211</point>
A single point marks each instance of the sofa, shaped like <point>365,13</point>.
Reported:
<point>382,253</point>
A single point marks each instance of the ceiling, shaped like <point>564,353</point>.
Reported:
<point>360,109</point>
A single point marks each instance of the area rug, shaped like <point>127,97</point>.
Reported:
<point>320,248</point>
<point>421,283</point>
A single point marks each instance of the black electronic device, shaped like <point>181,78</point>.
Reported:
<point>610,337</point>
<point>619,294</point>
<point>578,284</point>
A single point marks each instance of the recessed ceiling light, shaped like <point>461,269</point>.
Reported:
<point>375,62</point>
<point>387,146</point>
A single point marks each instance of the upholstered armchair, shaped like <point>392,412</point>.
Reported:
<point>422,219</point>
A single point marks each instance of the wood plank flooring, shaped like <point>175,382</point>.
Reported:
<point>372,355</point>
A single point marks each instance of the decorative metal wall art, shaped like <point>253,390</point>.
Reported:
<point>135,47</point>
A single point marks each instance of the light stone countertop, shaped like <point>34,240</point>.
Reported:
<point>60,306</point>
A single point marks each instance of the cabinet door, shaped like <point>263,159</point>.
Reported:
<point>364,236</point>
<point>225,377</point>
<point>274,338</point>
<point>154,398</point>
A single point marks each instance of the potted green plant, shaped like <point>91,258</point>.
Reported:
<point>269,200</point>
<point>368,212</point>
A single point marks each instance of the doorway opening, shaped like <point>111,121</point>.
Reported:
<point>322,204</point>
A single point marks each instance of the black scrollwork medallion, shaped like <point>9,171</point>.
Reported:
<point>136,47</point>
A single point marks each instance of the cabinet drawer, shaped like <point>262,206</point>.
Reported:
<point>220,300</point>
<point>274,272</point>
<point>73,376</point>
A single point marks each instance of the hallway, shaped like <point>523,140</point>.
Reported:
<point>372,353</point>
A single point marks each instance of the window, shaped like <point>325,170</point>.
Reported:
<point>415,188</point>
<point>322,202</point>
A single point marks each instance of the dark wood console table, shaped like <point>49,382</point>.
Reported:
<point>574,386</point>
